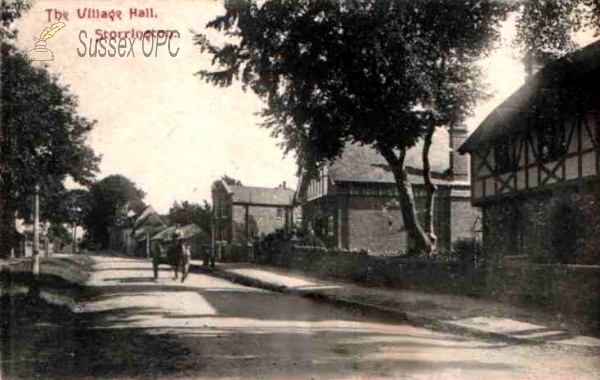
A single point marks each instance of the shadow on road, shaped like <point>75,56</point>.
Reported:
<point>209,328</point>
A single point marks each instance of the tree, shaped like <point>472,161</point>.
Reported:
<point>111,199</point>
<point>186,213</point>
<point>43,137</point>
<point>333,72</point>
<point>380,73</point>
<point>231,181</point>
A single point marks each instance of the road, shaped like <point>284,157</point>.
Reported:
<point>124,325</point>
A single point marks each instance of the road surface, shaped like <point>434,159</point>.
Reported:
<point>124,325</point>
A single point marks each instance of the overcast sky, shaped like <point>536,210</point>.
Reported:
<point>166,130</point>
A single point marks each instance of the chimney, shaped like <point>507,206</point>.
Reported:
<point>459,164</point>
<point>534,61</point>
<point>284,185</point>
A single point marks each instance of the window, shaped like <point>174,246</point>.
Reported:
<point>505,158</point>
<point>330,225</point>
<point>279,213</point>
<point>551,142</point>
<point>550,126</point>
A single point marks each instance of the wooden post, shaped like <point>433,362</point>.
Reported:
<point>36,233</point>
<point>147,245</point>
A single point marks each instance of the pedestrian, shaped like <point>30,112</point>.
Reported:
<point>185,255</point>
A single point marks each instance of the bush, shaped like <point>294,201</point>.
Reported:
<point>469,253</point>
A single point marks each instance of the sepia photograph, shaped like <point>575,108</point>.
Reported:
<point>300,189</point>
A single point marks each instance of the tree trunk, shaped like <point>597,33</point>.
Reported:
<point>430,188</point>
<point>7,228</point>
<point>407,200</point>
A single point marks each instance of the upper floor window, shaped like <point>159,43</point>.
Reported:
<point>551,142</point>
<point>222,209</point>
<point>505,158</point>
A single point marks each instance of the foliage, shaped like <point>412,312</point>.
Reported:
<point>112,198</point>
<point>10,11</point>
<point>43,141</point>
<point>381,73</point>
<point>333,72</point>
<point>549,25</point>
<point>186,213</point>
<point>231,181</point>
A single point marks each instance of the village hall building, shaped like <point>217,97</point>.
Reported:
<point>535,165</point>
<point>353,204</point>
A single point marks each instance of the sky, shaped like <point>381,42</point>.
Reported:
<point>164,128</point>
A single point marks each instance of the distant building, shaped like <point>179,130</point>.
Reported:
<point>148,224</point>
<point>354,202</point>
<point>242,213</point>
<point>535,165</point>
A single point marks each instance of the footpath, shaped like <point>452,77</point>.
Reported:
<point>459,314</point>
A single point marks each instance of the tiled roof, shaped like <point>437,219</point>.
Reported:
<point>508,117</point>
<point>364,164</point>
<point>261,195</point>
<point>150,217</point>
<point>187,231</point>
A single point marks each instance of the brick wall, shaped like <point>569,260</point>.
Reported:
<point>262,220</point>
<point>369,226</point>
<point>463,217</point>
<point>379,228</point>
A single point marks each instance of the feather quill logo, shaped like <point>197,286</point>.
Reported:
<point>40,52</point>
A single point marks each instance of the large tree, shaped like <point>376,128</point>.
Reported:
<point>380,73</point>
<point>43,137</point>
<point>186,213</point>
<point>334,72</point>
<point>111,199</point>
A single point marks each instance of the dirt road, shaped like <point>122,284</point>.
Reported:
<point>124,325</point>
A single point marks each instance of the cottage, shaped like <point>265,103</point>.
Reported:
<point>353,204</point>
<point>242,213</point>
<point>145,227</point>
<point>535,165</point>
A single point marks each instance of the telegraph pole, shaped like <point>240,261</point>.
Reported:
<point>36,233</point>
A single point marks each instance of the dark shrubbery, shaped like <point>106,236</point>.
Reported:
<point>469,253</point>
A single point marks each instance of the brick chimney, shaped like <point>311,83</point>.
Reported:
<point>459,163</point>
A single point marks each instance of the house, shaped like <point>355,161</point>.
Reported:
<point>242,213</point>
<point>132,232</point>
<point>535,166</point>
<point>353,204</point>
<point>147,224</point>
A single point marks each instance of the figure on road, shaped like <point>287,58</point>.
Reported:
<point>176,253</point>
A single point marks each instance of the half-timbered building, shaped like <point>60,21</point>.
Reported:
<point>535,165</point>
